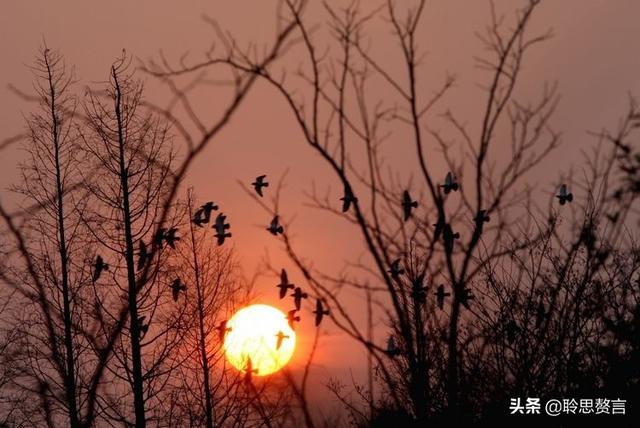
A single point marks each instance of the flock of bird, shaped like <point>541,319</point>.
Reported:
<point>202,216</point>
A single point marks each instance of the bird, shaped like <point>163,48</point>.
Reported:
<point>347,199</point>
<point>284,284</point>
<point>564,195</point>
<point>280,337</point>
<point>418,289</point>
<point>291,317</point>
<point>440,296</point>
<point>249,371</point>
<point>512,330</point>
<point>207,208</point>
<point>464,297</point>
<point>274,227</point>
<point>298,295</point>
<point>450,183</point>
<point>158,238</point>
<point>98,267</point>
<point>438,227</point>
<point>395,270</point>
<point>221,228</point>
<point>320,312</point>
<point>449,236</point>
<point>176,287</point>
<point>144,328</point>
<point>407,205</point>
<point>223,330</point>
<point>392,349</point>
<point>480,219</point>
<point>143,254</point>
<point>259,184</point>
<point>171,238</point>
<point>197,217</point>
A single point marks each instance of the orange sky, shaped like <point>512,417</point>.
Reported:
<point>593,56</point>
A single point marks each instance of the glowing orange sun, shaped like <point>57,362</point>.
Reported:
<point>259,338</point>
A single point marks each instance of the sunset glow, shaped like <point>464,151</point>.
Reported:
<point>254,333</point>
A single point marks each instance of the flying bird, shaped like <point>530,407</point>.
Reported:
<point>221,227</point>
<point>158,238</point>
<point>465,296</point>
<point>197,217</point>
<point>298,295</point>
<point>223,330</point>
<point>347,199</point>
<point>407,205</point>
<point>395,270</point>
<point>249,371</point>
<point>450,183</point>
<point>176,287</point>
<point>480,219</point>
<point>98,267</point>
<point>291,318</point>
<point>449,237</point>
<point>392,349</point>
<point>280,337</point>
<point>143,254</point>
<point>275,227</point>
<point>259,184</point>
<point>440,296</point>
<point>171,238</point>
<point>284,284</point>
<point>564,195</point>
<point>207,208</point>
<point>144,328</point>
<point>320,312</point>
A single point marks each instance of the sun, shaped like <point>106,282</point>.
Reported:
<point>259,333</point>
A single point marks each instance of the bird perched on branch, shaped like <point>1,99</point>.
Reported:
<point>392,349</point>
<point>449,237</point>
<point>275,227</point>
<point>223,330</point>
<point>176,287</point>
<point>298,295</point>
<point>320,312</point>
<point>450,183</point>
<point>221,227</point>
<point>291,318</point>
<point>143,254</point>
<point>284,284</point>
<point>347,199</point>
<point>407,205</point>
<point>438,226</point>
<point>418,291</point>
<point>564,195</point>
<point>98,267</point>
<point>440,296</point>
<point>280,337</point>
<point>395,270</point>
<point>259,184</point>
<point>480,219</point>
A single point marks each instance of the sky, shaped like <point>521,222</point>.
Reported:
<point>592,56</point>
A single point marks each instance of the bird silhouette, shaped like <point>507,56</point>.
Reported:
<point>158,238</point>
<point>98,267</point>
<point>449,237</point>
<point>320,312</point>
<point>207,208</point>
<point>291,318</point>
<point>440,296</point>
<point>144,328</point>
<point>298,295</point>
<point>395,270</point>
<point>221,227</point>
<point>480,219</point>
<point>392,349</point>
<point>171,238</point>
<point>284,284</point>
<point>223,330</point>
<point>280,337</point>
<point>450,183</point>
<point>438,227</point>
<point>176,287</point>
<point>347,199</point>
<point>512,330</point>
<point>197,219</point>
<point>143,254</point>
<point>464,297</point>
<point>564,195</point>
<point>407,205</point>
<point>274,227</point>
<point>418,291</point>
<point>249,371</point>
<point>259,184</point>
